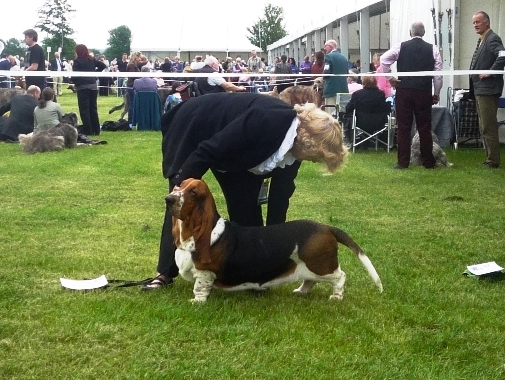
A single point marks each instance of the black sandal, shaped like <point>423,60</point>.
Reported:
<point>157,283</point>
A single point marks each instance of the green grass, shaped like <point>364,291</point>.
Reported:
<point>98,210</point>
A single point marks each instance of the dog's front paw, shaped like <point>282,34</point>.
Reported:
<point>337,297</point>
<point>198,300</point>
<point>299,292</point>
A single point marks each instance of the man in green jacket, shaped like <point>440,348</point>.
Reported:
<point>334,63</point>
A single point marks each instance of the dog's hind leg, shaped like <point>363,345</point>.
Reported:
<point>337,282</point>
<point>126,104</point>
<point>203,285</point>
<point>306,287</point>
<point>116,108</point>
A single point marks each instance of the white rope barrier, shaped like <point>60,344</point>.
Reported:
<point>159,74</point>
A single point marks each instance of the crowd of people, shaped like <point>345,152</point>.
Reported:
<point>254,74</point>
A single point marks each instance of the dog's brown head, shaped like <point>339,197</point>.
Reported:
<point>193,205</point>
<point>318,84</point>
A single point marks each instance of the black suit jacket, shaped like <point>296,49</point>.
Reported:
<point>54,65</point>
<point>20,120</point>
<point>487,59</point>
<point>224,131</point>
<point>371,109</point>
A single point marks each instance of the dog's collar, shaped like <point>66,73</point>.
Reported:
<point>217,231</point>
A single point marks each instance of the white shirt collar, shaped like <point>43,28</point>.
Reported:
<point>282,156</point>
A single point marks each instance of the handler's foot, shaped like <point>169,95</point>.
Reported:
<point>158,282</point>
<point>491,165</point>
<point>399,167</point>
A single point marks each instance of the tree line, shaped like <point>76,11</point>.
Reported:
<point>55,20</point>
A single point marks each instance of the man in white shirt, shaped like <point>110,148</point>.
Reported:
<point>214,83</point>
<point>197,64</point>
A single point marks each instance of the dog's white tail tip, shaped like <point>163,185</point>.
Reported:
<point>371,271</point>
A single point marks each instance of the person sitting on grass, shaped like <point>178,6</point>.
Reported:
<point>48,113</point>
<point>20,120</point>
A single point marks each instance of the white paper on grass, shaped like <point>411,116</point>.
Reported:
<point>484,268</point>
<point>96,283</point>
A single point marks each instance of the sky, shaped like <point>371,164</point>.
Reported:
<point>187,25</point>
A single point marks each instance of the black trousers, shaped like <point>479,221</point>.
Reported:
<point>88,109</point>
<point>241,190</point>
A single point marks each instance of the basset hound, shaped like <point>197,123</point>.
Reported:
<point>217,253</point>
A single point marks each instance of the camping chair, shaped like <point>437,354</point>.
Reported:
<point>147,111</point>
<point>367,136</point>
<point>342,99</point>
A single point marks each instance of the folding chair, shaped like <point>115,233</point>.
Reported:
<point>369,135</point>
<point>342,100</point>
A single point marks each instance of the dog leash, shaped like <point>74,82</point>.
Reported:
<point>128,283</point>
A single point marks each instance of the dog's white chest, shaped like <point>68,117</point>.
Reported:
<point>185,264</point>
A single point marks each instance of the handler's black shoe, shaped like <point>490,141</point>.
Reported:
<point>158,283</point>
<point>491,165</point>
<point>398,166</point>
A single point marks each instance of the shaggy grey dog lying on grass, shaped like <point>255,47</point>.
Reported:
<point>438,153</point>
<point>55,138</point>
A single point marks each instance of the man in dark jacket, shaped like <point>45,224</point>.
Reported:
<point>56,64</point>
<point>6,64</point>
<point>20,120</point>
<point>283,68</point>
<point>487,88</point>
<point>414,94</point>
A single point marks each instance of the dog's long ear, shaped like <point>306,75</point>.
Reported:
<point>203,216</point>
<point>176,232</point>
<point>199,214</point>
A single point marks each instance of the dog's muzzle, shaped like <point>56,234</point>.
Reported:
<point>173,204</point>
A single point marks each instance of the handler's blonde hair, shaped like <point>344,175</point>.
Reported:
<point>320,136</point>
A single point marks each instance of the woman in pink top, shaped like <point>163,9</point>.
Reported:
<point>382,82</point>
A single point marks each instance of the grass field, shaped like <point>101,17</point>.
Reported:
<point>97,210</point>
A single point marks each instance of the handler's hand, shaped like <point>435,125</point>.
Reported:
<point>394,82</point>
<point>436,99</point>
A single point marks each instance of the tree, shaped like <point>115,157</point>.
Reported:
<point>15,47</point>
<point>269,28</point>
<point>54,20</point>
<point>119,42</point>
<point>68,50</point>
